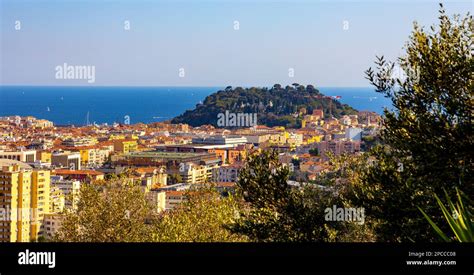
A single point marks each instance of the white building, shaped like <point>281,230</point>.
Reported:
<point>222,140</point>
<point>354,134</point>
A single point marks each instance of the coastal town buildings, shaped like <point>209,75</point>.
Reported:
<point>43,166</point>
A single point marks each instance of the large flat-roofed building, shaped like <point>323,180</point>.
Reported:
<point>220,140</point>
<point>193,148</point>
<point>192,167</point>
<point>158,158</point>
<point>228,153</point>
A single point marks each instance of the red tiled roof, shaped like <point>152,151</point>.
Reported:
<point>77,172</point>
<point>174,193</point>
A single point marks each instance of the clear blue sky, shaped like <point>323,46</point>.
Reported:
<point>199,36</point>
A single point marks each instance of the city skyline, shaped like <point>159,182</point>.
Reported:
<point>228,124</point>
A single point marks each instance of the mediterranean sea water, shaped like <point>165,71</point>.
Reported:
<point>82,104</point>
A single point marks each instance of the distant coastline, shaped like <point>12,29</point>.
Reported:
<point>75,105</point>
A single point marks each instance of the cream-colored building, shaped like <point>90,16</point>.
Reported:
<point>157,199</point>
<point>22,155</point>
<point>69,189</point>
<point>193,173</point>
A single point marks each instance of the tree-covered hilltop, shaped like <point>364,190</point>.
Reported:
<point>276,106</point>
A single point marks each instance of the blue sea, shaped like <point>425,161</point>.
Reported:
<point>78,105</point>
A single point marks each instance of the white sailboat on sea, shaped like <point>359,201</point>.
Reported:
<point>47,109</point>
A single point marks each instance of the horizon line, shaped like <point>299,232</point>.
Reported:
<point>169,86</point>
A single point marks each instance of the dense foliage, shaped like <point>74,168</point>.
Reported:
<point>118,212</point>
<point>459,215</point>
<point>203,217</point>
<point>277,211</point>
<point>425,148</point>
<point>427,140</point>
<point>276,106</point>
<point>113,212</point>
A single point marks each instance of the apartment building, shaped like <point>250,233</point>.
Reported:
<point>192,173</point>
<point>40,196</point>
<point>24,200</point>
<point>57,200</point>
<point>94,156</point>
<point>338,147</point>
<point>125,145</point>
<point>173,199</point>
<point>52,224</point>
<point>69,189</point>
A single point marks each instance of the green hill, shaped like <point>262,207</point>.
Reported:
<point>276,106</point>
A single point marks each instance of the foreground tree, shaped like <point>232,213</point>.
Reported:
<point>427,139</point>
<point>113,212</point>
<point>119,212</point>
<point>203,217</point>
<point>276,211</point>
